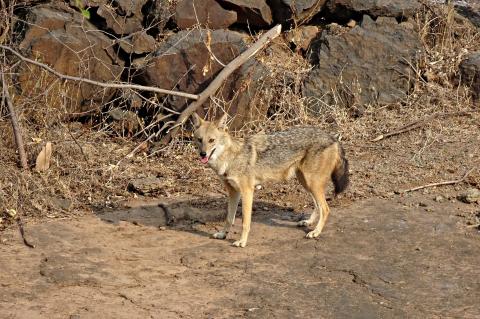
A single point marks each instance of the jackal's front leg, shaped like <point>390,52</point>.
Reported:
<point>233,199</point>
<point>247,200</point>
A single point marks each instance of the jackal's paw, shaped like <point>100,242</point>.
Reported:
<point>313,234</point>
<point>240,243</point>
<point>220,235</point>
<point>303,223</point>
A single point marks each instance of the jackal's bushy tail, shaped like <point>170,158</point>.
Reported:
<point>340,173</point>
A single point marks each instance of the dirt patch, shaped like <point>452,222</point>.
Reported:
<point>376,259</point>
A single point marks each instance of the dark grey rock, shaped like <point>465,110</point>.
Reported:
<point>470,73</point>
<point>206,13</point>
<point>369,64</point>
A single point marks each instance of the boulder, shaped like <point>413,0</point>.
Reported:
<point>60,37</point>
<point>255,13</point>
<point>125,123</point>
<point>369,64</point>
<point>184,62</point>
<point>298,11</point>
<point>147,185</point>
<point>158,13</point>
<point>302,36</point>
<point>470,10</point>
<point>138,43</point>
<point>121,16</point>
<point>470,73</point>
<point>206,13</point>
<point>344,9</point>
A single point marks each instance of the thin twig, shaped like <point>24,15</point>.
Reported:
<point>22,233</point>
<point>456,181</point>
<point>17,132</point>
<point>75,141</point>
<point>220,78</point>
<point>417,124</point>
<point>120,85</point>
<point>20,183</point>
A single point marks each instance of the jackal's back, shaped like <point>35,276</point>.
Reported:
<point>288,146</point>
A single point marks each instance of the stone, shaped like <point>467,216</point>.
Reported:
<point>138,43</point>
<point>121,16</point>
<point>470,73</point>
<point>369,64</point>
<point>470,196</point>
<point>302,36</point>
<point>158,13</point>
<point>146,185</point>
<point>297,11</point>
<point>206,13</point>
<point>255,13</point>
<point>61,38</point>
<point>470,10</point>
<point>125,122</point>
<point>345,9</point>
<point>184,63</point>
<point>61,203</point>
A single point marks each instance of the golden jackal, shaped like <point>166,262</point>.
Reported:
<point>307,152</point>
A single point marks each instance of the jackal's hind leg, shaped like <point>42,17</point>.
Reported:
<point>323,209</point>
<point>311,220</point>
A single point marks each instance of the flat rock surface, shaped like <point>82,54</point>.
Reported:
<point>375,259</point>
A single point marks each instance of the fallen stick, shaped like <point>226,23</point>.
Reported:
<point>456,181</point>
<point>120,85</point>
<point>417,124</point>
<point>217,82</point>
<point>22,233</point>
<point>17,132</point>
<point>473,226</point>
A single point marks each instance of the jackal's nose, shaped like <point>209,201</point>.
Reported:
<point>203,154</point>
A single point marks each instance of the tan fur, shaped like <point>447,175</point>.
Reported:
<point>305,152</point>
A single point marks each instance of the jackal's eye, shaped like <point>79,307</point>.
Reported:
<point>211,140</point>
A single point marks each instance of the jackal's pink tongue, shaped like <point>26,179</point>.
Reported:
<point>204,160</point>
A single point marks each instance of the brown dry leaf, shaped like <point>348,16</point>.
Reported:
<point>43,159</point>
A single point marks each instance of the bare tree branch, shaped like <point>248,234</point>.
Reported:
<point>456,181</point>
<point>217,82</point>
<point>101,84</point>
<point>417,124</point>
<point>17,132</point>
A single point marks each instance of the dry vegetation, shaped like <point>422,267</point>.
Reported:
<point>90,170</point>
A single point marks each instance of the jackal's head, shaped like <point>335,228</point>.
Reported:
<point>211,138</point>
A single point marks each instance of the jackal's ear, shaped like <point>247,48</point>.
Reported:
<point>197,120</point>
<point>222,122</point>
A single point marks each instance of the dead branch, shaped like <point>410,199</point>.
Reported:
<point>22,233</point>
<point>217,82</point>
<point>20,182</point>
<point>456,181</point>
<point>17,132</point>
<point>120,85</point>
<point>417,124</point>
